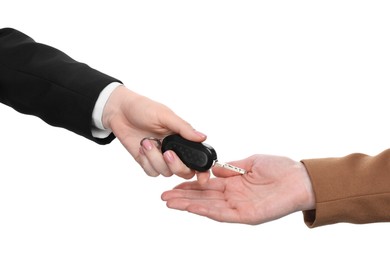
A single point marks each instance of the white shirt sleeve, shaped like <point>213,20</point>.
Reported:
<point>97,129</point>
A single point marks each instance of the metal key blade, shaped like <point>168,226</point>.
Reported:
<point>230,167</point>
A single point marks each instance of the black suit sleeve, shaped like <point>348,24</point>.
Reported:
<point>39,80</point>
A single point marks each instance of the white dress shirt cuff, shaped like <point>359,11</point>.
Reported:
<point>98,130</point>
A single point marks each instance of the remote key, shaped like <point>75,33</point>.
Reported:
<point>195,155</point>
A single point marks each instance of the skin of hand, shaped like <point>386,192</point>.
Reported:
<point>273,187</point>
<point>133,117</point>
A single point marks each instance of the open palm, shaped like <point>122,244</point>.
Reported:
<point>273,187</point>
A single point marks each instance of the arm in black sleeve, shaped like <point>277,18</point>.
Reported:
<point>40,80</point>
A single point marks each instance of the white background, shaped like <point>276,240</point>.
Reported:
<point>303,79</point>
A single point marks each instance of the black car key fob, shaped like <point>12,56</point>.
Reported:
<point>197,156</point>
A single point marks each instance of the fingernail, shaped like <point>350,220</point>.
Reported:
<point>200,134</point>
<point>169,156</point>
<point>147,144</point>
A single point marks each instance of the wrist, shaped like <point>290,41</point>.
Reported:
<point>113,107</point>
<point>307,201</point>
<point>97,113</point>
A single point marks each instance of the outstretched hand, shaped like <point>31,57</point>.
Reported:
<point>273,187</point>
<point>133,117</point>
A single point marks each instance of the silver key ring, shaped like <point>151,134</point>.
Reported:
<point>158,141</point>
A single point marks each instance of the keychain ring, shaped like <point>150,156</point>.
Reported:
<point>158,141</point>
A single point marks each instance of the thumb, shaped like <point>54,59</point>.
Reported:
<point>178,125</point>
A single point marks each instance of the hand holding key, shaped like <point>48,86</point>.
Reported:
<point>186,158</point>
<point>197,156</point>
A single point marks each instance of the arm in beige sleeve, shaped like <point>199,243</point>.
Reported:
<point>353,189</point>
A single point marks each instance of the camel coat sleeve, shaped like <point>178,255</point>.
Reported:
<point>353,189</point>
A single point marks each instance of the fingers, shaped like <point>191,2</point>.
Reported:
<point>193,195</point>
<point>203,177</point>
<point>182,199</point>
<point>176,166</point>
<point>209,203</point>
<point>154,163</point>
